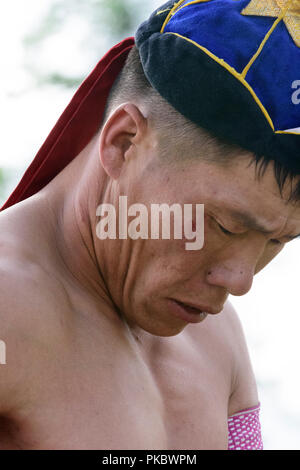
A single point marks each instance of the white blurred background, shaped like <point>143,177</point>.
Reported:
<point>46,49</point>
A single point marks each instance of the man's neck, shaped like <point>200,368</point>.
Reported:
<point>100,267</point>
<point>72,199</point>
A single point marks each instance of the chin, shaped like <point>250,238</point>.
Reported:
<point>165,332</point>
<point>155,323</point>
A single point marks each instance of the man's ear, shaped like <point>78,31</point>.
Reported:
<point>125,128</point>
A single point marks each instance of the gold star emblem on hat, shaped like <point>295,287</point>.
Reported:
<point>274,8</point>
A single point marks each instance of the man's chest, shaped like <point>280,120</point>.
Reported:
<point>175,399</point>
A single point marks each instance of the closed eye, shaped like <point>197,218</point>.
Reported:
<point>276,242</point>
<point>227,232</point>
<point>224,229</point>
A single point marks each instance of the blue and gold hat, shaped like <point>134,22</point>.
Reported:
<point>233,68</point>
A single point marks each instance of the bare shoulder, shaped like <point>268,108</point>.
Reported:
<point>27,290</point>
<point>223,337</point>
<point>244,389</point>
<point>28,300</point>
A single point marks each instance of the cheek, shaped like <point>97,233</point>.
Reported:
<point>212,242</point>
<point>172,263</point>
<point>213,239</point>
<point>165,260</point>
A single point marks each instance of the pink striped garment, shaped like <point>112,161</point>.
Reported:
<point>244,430</point>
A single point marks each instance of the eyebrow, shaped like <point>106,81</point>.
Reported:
<point>247,220</point>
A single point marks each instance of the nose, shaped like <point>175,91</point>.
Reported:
<point>236,279</point>
<point>233,267</point>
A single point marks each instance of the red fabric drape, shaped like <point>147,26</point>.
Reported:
<point>76,126</point>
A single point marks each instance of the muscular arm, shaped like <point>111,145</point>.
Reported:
<point>13,334</point>
<point>23,328</point>
<point>244,393</point>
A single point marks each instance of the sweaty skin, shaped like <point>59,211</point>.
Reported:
<point>95,358</point>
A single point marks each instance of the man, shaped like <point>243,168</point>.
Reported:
<point>130,343</point>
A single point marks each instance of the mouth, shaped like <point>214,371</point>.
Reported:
<point>188,313</point>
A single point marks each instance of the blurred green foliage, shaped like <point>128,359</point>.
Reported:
<point>120,15</point>
<point>111,20</point>
<point>102,23</point>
